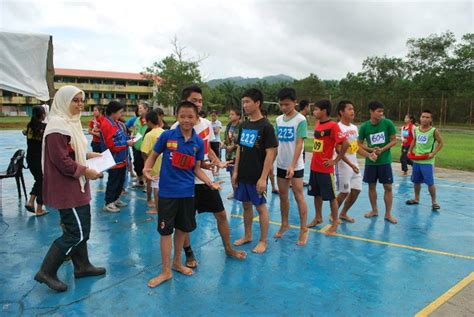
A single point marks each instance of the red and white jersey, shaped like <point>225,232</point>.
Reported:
<point>204,130</point>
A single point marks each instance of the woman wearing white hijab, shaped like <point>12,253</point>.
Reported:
<point>66,187</point>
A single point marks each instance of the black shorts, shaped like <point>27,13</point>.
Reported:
<point>382,173</point>
<point>176,213</point>
<point>216,147</point>
<point>297,174</point>
<point>206,199</point>
<point>322,184</point>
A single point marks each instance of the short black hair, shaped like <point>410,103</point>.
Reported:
<point>287,93</point>
<point>98,107</point>
<point>213,111</point>
<point>374,105</point>
<point>412,118</point>
<point>324,104</point>
<point>427,111</point>
<point>187,104</point>
<point>187,91</point>
<point>113,107</point>
<point>237,111</point>
<point>152,116</point>
<point>303,104</point>
<point>341,106</point>
<point>159,111</point>
<point>254,94</point>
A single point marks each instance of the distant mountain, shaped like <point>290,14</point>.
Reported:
<point>241,81</point>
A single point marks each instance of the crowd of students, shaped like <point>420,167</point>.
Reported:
<point>178,165</point>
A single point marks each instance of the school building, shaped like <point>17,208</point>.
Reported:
<point>100,87</point>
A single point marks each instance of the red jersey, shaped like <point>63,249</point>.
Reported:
<point>326,136</point>
<point>407,134</point>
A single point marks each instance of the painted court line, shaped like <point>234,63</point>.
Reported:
<point>446,296</point>
<point>397,245</point>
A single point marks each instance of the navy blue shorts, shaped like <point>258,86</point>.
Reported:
<point>423,173</point>
<point>248,192</point>
<point>382,173</point>
<point>322,184</point>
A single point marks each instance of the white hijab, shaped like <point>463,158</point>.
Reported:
<point>60,120</point>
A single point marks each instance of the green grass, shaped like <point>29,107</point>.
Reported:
<point>457,152</point>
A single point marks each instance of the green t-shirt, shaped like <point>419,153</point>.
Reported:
<point>139,128</point>
<point>378,135</point>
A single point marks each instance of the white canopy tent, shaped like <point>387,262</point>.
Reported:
<point>26,64</point>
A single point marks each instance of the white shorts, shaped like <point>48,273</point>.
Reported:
<point>154,184</point>
<point>346,180</point>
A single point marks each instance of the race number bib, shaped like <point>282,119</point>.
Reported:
<point>248,137</point>
<point>422,139</point>
<point>353,148</point>
<point>318,145</point>
<point>405,133</point>
<point>286,134</point>
<point>377,138</point>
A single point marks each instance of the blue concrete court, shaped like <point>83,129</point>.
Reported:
<point>372,268</point>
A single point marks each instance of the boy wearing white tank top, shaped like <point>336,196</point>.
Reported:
<point>291,130</point>
<point>349,179</point>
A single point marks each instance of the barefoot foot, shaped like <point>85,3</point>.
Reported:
<point>236,254</point>
<point>371,214</point>
<point>282,230</point>
<point>242,241</point>
<point>392,219</point>
<point>261,247</point>
<point>339,221</point>
<point>331,231</point>
<point>346,218</point>
<point>303,237</point>
<point>157,280</point>
<point>315,222</point>
<point>178,267</point>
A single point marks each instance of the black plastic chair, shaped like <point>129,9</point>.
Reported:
<point>15,169</point>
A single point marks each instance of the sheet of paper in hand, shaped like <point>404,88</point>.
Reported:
<point>101,163</point>
<point>137,137</point>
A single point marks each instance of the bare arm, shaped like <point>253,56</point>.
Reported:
<point>198,172</point>
<point>439,141</point>
<point>150,161</point>
<point>236,167</point>
<point>267,166</point>
<point>364,147</point>
<point>291,169</point>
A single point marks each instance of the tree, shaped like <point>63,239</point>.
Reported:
<point>175,72</point>
<point>310,88</point>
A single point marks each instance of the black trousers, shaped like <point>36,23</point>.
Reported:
<point>77,227</point>
<point>95,147</point>
<point>404,160</point>
<point>115,184</point>
<point>138,162</point>
<point>35,168</point>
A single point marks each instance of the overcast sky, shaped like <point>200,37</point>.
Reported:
<point>238,38</point>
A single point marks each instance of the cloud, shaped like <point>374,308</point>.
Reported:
<point>246,38</point>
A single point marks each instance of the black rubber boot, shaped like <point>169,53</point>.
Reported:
<point>49,269</point>
<point>82,266</point>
